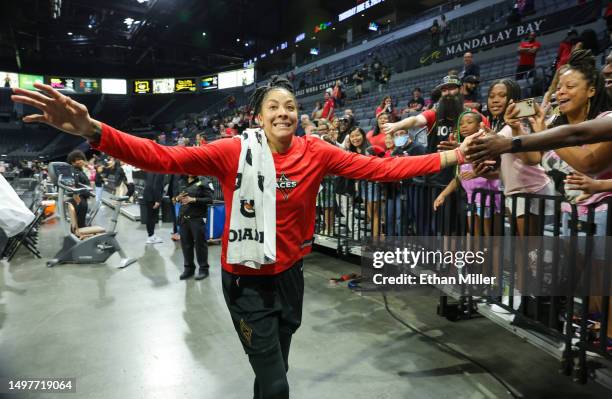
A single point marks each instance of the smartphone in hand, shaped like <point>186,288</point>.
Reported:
<point>526,108</point>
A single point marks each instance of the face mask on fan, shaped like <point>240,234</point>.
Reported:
<point>400,141</point>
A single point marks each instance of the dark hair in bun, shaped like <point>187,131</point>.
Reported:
<point>276,82</point>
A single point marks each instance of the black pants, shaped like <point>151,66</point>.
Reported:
<point>151,217</point>
<point>266,312</point>
<point>130,190</point>
<point>174,219</point>
<point>192,235</point>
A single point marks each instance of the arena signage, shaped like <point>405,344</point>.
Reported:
<point>320,87</point>
<point>549,23</point>
<point>501,36</point>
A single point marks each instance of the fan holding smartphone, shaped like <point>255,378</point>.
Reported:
<point>526,108</point>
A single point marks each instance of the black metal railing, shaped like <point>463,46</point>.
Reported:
<point>350,211</point>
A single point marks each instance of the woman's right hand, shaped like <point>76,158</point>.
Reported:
<point>58,110</point>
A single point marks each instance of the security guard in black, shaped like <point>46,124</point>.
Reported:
<point>195,196</point>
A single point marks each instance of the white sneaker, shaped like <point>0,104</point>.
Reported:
<point>151,240</point>
<point>157,240</point>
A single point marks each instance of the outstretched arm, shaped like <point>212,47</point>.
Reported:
<point>67,115</point>
<point>588,132</point>
<point>356,166</point>
<point>405,124</point>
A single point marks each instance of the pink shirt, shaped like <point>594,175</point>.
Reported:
<point>517,176</point>
<point>480,183</point>
<point>598,197</point>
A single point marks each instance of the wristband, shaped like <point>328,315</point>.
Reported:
<point>460,156</point>
<point>517,144</point>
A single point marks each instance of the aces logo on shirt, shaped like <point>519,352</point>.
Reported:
<point>285,185</point>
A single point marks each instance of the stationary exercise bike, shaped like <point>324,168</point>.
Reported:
<point>90,244</point>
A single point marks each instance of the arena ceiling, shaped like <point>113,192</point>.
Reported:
<point>135,38</point>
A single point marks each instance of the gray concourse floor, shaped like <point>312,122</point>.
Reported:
<point>139,332</point>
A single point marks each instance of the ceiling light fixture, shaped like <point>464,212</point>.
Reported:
<point>69,33</point>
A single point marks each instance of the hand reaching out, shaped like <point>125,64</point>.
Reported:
<point>438,202</point>
<point>391,127</point>
<point>487,148</point>
<point>58,110</point>
<point>482,168</point>
<point>448,145</point>
<point>468,141</point>
<point>467,175</point>
<point>580,181</point>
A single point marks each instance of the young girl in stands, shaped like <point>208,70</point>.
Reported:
<point>287,171</point>
<point>471,179</point>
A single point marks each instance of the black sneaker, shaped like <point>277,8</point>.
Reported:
<point>202,273</point>
<point>187,273</point>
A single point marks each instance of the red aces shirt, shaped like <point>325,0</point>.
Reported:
<point>299,172</point>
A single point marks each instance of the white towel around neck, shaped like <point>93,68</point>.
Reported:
<point>253,204</point>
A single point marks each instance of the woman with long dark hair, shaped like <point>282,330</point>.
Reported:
<point>376,136</point>
<point>270,179</point>
<point>520,173</point>
<point>386,105</point>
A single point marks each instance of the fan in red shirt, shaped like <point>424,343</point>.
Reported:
<point>328,108</point>
<point>265,327</point>
<point>528,50</point>
<point>376,136</point>
<point>387,106</point>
